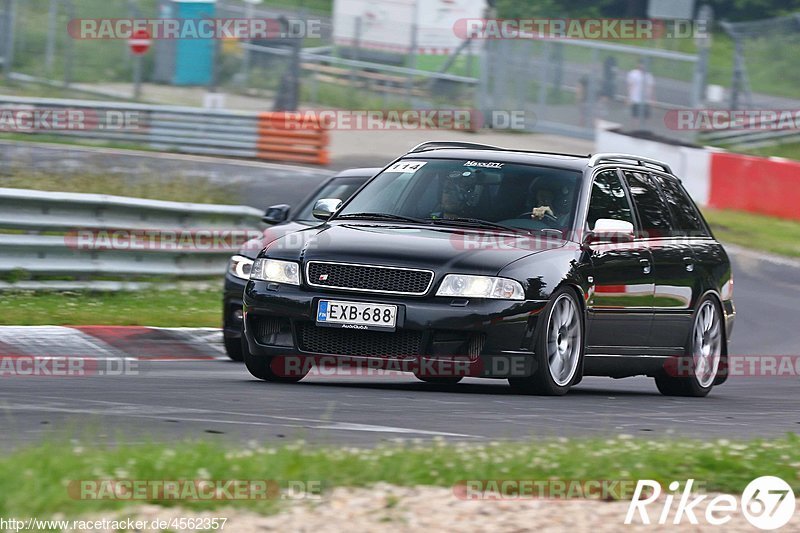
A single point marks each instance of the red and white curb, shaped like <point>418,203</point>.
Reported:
<point>104,342</point>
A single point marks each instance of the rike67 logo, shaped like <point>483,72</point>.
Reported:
<point>768,503</point>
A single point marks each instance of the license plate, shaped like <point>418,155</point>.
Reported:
<point>356,315</point>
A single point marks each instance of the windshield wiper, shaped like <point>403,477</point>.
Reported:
<point>476,222</point>
<point>381,216</point>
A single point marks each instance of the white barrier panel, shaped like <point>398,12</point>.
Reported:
<point>692,165</point>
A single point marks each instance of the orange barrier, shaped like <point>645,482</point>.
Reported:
<point>755,184</point>
<point>281,139</point>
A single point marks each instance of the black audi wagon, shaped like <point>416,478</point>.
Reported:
<point>539,268</point>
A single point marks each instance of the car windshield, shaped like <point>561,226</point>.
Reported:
<point>341,188</point>
<point>462,192</point>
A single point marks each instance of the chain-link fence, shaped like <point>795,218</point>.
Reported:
<point>360,74</point>
<point>564,86</point>
<point>557,85</point>
<point>764,62</point>
<point>44,49</point>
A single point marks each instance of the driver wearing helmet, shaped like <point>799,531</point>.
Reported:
<point>458,192</point>
<point>544,203</point>
<point>550,201</point>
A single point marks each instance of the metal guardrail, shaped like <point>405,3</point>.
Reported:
<point>747,138</point>
<point>174,128</point>
<point>44,231</point>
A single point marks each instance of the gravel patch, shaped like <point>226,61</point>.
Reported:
<point>386,508</point>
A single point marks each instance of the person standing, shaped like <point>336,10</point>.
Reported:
<point>640,93</point>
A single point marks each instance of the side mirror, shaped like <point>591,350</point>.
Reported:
<point>608,229</point>
<point>325,208</point>
<point>275,214</point>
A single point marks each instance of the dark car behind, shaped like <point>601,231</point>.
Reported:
<point>282,221</point>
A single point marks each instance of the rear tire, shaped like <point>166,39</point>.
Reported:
<point>262,367</point>
<point>233,347</point>
<point>702,358</point>
<point>558,348</point>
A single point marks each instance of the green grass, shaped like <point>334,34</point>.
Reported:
<point>179,189</point>
<point>34,481</point>
<point>34,90</point>
<point>788,150</point>
<point>755,232</point>
<point>164,308</point>
<point>94,60</point>
<point>73,140</point>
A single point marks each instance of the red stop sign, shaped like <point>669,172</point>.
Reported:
<point>140,42</point>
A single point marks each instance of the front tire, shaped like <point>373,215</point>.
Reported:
<point>702,358</point>
<point>263,367</point>
<point>558,347</point>
<point>233,347</point>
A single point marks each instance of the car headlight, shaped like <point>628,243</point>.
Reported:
<point>480,287</point>
<point>240,266</point>
<point>276,271</point>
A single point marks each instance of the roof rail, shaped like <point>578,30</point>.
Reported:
<point>433,145</point>
<point>621,158</point>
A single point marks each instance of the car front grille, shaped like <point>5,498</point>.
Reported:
<point>323,340</point>
<point>369,278</point>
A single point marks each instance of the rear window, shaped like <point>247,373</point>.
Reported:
<point>654,213</point>
<point>686,219</point>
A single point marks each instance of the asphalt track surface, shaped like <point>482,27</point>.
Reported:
<point>254,183</point>
<point>215,398</point>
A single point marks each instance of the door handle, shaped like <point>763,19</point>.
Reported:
<point>646,266</point>
<point>689,263</point>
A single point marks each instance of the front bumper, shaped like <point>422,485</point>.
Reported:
<point>495,334</point>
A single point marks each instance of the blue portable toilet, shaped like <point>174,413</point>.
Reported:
<point>186,61</point>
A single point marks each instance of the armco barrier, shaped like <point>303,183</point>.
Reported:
<point>180,129</point>
<point>63,216</point>
<point>306,144</point>
<point>755,184</point>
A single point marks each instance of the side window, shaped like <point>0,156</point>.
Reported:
<point>653,212</point>
<point>608,199</point>
<point>685,217</point>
